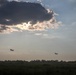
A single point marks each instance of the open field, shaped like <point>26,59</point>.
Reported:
<point>37,67</point>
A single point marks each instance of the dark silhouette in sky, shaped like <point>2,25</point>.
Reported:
<point>13,13</point>
<point>11,49</point>
<point>56,53</point>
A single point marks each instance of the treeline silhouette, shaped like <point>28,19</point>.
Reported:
<point>37,67</point>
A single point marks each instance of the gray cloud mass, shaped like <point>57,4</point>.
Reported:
<point>14,13</point>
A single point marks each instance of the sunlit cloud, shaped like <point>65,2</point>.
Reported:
<point>38,34</point>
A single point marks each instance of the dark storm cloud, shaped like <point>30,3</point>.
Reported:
<point>18,16</point>
<point>12,13</point>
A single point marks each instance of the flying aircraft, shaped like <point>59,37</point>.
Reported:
<point>56,53</point>
<point>11,49</point>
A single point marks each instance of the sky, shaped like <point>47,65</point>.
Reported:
<point>38,31</point>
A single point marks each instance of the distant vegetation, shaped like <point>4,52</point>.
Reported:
<point>37,67</point>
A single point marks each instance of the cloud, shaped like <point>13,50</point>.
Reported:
<point>15,16</point>
<point>48,36</point>
<point>38,34</point>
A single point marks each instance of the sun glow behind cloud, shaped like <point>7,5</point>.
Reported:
<point>51,24</point>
